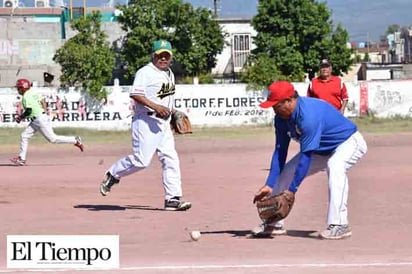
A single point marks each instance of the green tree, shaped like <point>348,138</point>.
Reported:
<point>338,51</point>
<point>393,28</point>
<point>86,59</point>
<point>292,37</point>
<point>358,58</point>
<point>194,33</point>
<point>366,58</point>
<point>263,71</point>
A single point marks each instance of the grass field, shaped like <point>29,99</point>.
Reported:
<point>366,125</point>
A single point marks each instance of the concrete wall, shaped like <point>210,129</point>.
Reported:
<point>28,44</point>
<point>112,29</point>
<point>27,48</point>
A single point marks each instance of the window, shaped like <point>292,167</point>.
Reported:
<point>10,3</point>
<point>39,4</point>
<point>42,3</point>
<point>241,50</point>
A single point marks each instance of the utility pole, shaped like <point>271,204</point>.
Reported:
<point>367,38</point>
<point>215,3</point>
<point>71,10</point>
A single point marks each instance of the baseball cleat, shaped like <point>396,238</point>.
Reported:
<point>336,232</point>
<point>174,204</point>
<point>18,161</point>
<point>107,184</point>
<point>268,230</point>
<point>79,143</point>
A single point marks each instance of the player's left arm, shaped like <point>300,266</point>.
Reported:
<point>344,98</point>
<point>309,91</point>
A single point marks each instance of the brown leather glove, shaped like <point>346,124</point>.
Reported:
<point>180,123</point>
<point>277,207</point>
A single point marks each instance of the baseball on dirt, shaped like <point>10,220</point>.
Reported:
<point>195,235</point>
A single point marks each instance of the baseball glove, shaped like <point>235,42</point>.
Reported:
<point>180,123</point>
<point>276,208</point>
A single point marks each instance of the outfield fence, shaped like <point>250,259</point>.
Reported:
<point>206,105</point>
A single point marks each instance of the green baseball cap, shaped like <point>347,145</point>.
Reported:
<point>160,46</point>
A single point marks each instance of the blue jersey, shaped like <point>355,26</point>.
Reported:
<point>317,126</point>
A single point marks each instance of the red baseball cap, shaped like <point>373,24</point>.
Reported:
<point>278,91</point>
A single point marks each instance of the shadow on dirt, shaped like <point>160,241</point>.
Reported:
<point>247,234</point>
<point>116,207</point>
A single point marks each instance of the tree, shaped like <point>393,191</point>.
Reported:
<point>263,70</point>
<point>338,51</point>
<point>293,36</point>
<point>86,59</point>
<point>366,58</point>
<point>194,33</point>
<point>393,28</point>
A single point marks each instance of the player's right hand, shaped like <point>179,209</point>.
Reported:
<point>263,193</point>
<point>18,119</point>
<point>162,112</point>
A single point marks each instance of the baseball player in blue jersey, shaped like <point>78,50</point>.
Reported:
<point>327,140</point>
<point>152,91</point>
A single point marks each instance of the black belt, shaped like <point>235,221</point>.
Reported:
<point>34,118</point>
<point>153,113</point>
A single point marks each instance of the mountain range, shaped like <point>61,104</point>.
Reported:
<point>365,20</point>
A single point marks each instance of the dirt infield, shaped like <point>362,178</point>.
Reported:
<point>57,193</point>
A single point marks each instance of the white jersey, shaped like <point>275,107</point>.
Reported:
<point>156,85</point>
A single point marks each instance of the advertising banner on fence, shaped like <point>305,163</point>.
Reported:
<point>206,105</point>
<point>222,105</point>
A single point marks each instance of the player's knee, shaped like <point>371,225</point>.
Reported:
<point>51,139</point>
<point>336,166</point>
<point>140,162</point>
<point>145,164</point>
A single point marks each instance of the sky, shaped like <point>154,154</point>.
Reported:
<point>363,19</point>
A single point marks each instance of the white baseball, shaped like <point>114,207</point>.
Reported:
<point>195,235</point>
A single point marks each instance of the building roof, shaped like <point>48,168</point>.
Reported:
<point>30,11</point>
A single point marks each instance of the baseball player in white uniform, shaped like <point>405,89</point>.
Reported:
<point>35,111</point>
<point>152,91</point>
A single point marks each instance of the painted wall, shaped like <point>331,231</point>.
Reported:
<point>390,98</point>
<point>383,74</point>
<point>206,105</point>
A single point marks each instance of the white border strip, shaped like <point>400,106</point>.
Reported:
<point>221,267</point>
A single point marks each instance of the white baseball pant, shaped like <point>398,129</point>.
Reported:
<point>337,164</point>
<point>43,125</point>
<point>150,135</point>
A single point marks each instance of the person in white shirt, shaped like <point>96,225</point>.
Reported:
<point>152,92</point>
